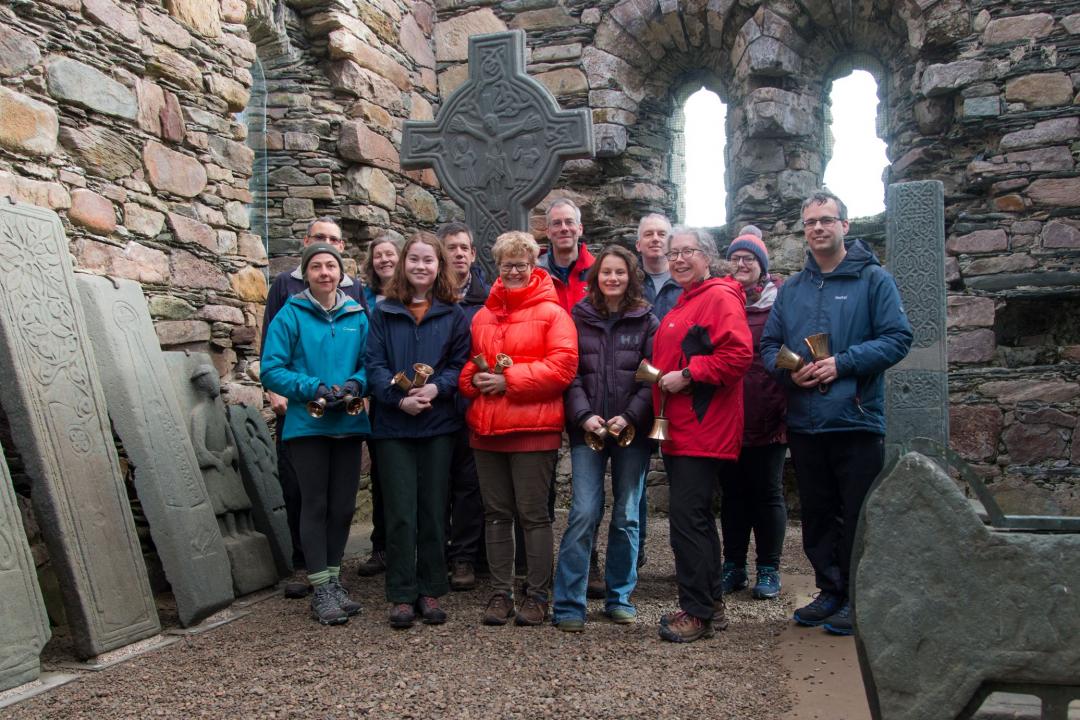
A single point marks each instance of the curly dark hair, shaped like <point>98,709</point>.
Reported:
<point>399,288</point>
<point>635,287</point>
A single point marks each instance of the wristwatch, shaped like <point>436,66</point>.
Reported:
<point>686,373</point>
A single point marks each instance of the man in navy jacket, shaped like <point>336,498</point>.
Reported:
<point>836,406</point>
<point>465,524</point>
<point>285,285</point>
<point>652,238</point>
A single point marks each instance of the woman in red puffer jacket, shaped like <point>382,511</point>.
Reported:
<point>516,419</point>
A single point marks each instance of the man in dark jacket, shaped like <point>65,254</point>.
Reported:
<point>285,285</point>
<point>660,290</point>
<point>836,405</point>
<point>465,514</point>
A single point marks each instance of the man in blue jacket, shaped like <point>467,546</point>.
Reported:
<point>836,406</point>
<point>465,524</point>
<point>652,238</point>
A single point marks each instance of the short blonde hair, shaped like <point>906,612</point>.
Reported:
<point>513,243</point>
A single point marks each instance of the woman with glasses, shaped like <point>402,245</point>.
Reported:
<point>615,331</point>
<point>524,355</point>
<point>418,322</point>
<point>753,495</point>
<point>703,348</point>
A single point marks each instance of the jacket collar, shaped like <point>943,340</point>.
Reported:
<point>395,307</point>
<point>587,312</point>
<point>858,257</point>
<point>539,289</point>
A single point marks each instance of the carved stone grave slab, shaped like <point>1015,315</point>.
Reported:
<point>258,470</point>
<point>199,392</point>
<point>917,388</point>
<point>24,625</point>
<point>53,399</point>
<point>498,142</point>
<point>146,415</point>
<point>945,605</point>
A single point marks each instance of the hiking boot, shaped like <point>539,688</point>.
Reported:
<point>621,615</point>
<point>597,588</point>
<point>768,583</point>
<point>719,615</point>
<point>324,607</point>
<point>683,627</point>
<point>402,616</point>
<point>297,586</point>
<point>820,609</point>
<point>571,625</point>
<point>375,564</point>
<point>429,610</point>
<point>462,575</point>
<point>839,623</point>
<point>500,608</point>
<point>734,578</point>
<point>532,612</point>
<point>341,596</point>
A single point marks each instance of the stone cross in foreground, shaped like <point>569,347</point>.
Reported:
<point>498,142</point>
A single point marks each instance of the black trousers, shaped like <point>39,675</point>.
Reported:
<point>692,483</point>
<point>290,491</point>
<point>378,522</point>
<point>328,471</point>
<point>465,511</point>
<point>834,472</point>
<point>753,500</point>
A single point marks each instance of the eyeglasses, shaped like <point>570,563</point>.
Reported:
<point>323,238</point>
<point>744,260</point>
<point>507,268</point>
<point>825,222</point>
<point>685,252</point>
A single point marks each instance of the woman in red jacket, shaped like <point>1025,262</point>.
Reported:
<point>516,419</point>
<point>703,348</point>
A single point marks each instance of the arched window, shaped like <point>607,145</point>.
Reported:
<point>858,153</point>
<point>698,159</point>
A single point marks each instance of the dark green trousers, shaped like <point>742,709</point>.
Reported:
<point>415,476</point>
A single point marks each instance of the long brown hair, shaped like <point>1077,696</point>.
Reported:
<point>635,286</point>
<point>399,287</point>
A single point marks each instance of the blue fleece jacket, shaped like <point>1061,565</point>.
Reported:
<point>306,346</point>
<point>441,340</point>
<point>859,306</point>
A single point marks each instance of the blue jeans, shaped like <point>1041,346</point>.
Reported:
<point>628,468</point>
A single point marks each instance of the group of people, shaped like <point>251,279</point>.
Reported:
<point>469,391</point>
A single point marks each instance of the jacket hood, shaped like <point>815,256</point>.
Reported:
<point>858,256</point>
<point>539,289</point>
<point>587,312</point>
<point>342,304</point>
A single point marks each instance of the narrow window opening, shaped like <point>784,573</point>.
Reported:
<point>858,155</point>
<point>702,187</point>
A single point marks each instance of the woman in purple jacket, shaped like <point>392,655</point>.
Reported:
<point>615,330</point>
<point>753,495</point>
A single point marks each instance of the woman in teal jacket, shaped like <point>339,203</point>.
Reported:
<point>315,351</point>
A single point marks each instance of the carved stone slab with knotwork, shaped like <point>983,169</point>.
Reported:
<point>199,391</point>
<point>258,470</point>
<point>498,142</point>
<point>56,408</point>
<point>147,417</point>
<point>24,626</point>
<point>917,394</point>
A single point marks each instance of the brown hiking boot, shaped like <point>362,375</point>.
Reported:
<point>375,564</point>
<point>597,587</point>
<point>402,616</point>
<point>429,610</point>
<point>719,615</point>
<point>532,612</point>
<point>462,576</point>
<point>683,627</point>
<point>499,609</point>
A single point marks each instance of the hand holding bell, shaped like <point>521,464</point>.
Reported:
<point>819,350</point>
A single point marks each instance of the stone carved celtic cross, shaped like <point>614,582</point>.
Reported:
<point>499,141</point>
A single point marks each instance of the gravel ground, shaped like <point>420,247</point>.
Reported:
<point>278,663</point>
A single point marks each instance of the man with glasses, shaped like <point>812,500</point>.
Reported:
<point>836,405</point>
<point>567,260</point>
<point>285,285</point>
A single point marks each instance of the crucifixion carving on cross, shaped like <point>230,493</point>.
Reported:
<point>499,141</point>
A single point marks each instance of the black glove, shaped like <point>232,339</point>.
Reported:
<point>333,398</point>
<point>324,393</point>
<point>351,387</point>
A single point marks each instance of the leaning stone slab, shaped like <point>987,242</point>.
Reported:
<point>54,401</point>
<point>147,417</point>
<point>199,392</point>
<point>24,626</point>
<point>258,470</point>
<point>944,604</point>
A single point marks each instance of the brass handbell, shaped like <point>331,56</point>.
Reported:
<point>402,381</point>
<point>625,437</point>
<point>661,425</point>
<point>819,350</point>
<point>316,408</point>
<point>595,438</point>
<point>353,405</point>
<point>502,361</point>
<point>481,362</point>
<point>422,373</point>
<point>788,359</point>
<point>647,373</point>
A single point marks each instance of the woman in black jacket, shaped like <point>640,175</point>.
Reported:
<point>418,322</point>
<point>615,331</point>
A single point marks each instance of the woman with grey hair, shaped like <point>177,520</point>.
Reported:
<point>703,348</point>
